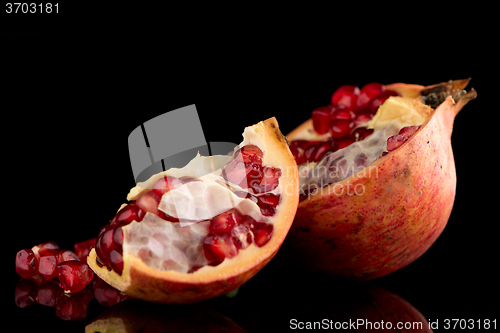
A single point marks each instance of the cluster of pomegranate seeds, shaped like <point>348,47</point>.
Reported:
<point>351,107</point>
<point>61,278</point>
<point>229,232</point>
<point>395,141</point>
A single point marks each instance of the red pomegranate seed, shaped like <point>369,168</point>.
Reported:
<point>74,306</point>
<point>106,241</point>
<point>218,246</point>
<point>165,184</point>
<point>262,233</point>
<point>129,213</point>
<point>270,180</point>
<point>69,255</point>
<point>395,141</point>
<point>118,237</point>
<point>236,172</point>
<point>377,101</point>
<point>48,293</point>
<point>26,263</point>
<point>298,154</point>
<point>241,236</point>
<point>361,133</point>
<point>250,154</point>
<point>408,130</point>
<point>25,292</point>
<point>340,128</point>
<point>82,249</point>
<point>269,199</point>
<point>149,203</point>
<point>362,117</point>
<point>320,117</point>
<point>116,261</point>
<point>107,295</point>
<point>346,95</point>
<point>267,210</point>
<point>49,259</point>
<point>224,222</point>
<point>310,152</point>
<point>368,92</point>
<point>74,275</point>
<point>345,141</point>
<point>341,113</point>
<point>322,149</point>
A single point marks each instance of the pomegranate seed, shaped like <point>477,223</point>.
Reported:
<point>270,180</point>
<point>129,213</point>
<point>377,101</point>
<point>165,184</point>
<point>267,210</point>
<point>408,130</point>
<point>107,295</point>
<point>320,117</point>
<point>345,141</point>
<point>69,255</point>
<point>368,92</point>
<point>250,154</point>
<point>116,261</point>
<point>26,263</point>
<point>106,240</point>
<point>298,154</point>
<point>310,152</point>
<point>48,245</point>
<point>269,199</point>
<point>236,172</point>
<point>346,95</point>
<point>361,133</point>
<point>395,141</point>
<point>25,292</point>
<point>340,128</point>
<point>82,249</point>
<point>322,149</point>
<point>49,259</point>
<point>241,236</point>
<point>218,246</point>
<point>74,306</point>
<point>341,113</point>
<point>74,275</point>
<point>262,233</point>
<point>149,202</point>
<point>48,293</point>
<point>362,117</point>
<point>118,237</point>
<point>225,221</point>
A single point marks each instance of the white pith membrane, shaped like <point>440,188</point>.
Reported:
<point>165,245</point>
<point>393,115</point>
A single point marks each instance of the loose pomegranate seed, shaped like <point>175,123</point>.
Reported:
<point>368,92</point>
<point>377,101</point>
<point>218,246</point>
<point>74,275</point>
<point>82,249</point>
<point>26,263</point>
<point>340,128</point>
<point>224,222</point>
<point>48,293</point>
<point>74,306</point>
<point>49,259</point>
<point>346,95</point>
<point>129,213</point>
<point>262,233</point>
<point>320,117</point>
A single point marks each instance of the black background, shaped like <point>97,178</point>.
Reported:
<point>74,90</point>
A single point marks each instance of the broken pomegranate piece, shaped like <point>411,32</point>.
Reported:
<point>193,221</point>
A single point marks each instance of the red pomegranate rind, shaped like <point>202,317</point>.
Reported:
<point>375,232</point>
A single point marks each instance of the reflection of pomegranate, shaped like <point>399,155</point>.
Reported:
<point>203,230</point>
<point>378,181</point>
<point>138,316</point>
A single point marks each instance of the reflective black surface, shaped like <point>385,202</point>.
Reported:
<point>70,172</point>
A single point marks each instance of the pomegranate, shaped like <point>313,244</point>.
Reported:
<point>376,198</point>
<point>201,231</point>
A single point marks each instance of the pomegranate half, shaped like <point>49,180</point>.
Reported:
<point>203,230</point>
<point>393,204</point>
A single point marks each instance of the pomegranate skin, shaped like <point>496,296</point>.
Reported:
<point>386,216</point>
